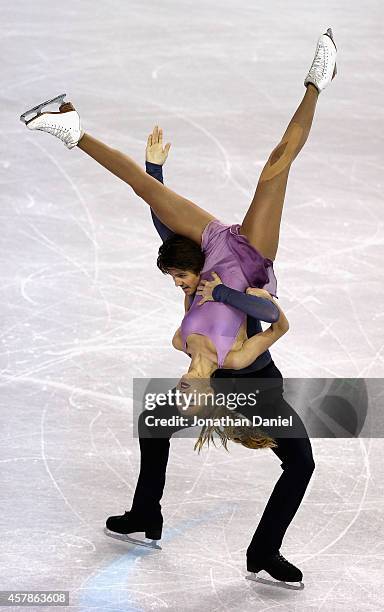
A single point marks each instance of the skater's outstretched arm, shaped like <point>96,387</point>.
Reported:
<point>155,157</point>
<point>179,214</point>
<point>156,171</point>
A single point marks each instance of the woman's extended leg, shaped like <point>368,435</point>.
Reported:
<point>261,224</point>
<point>179,214</point>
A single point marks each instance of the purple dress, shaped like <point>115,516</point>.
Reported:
<point>239,266</point>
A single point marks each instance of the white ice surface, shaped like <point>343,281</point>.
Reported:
<point>84,308</point>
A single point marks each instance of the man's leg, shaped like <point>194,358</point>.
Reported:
<point>179,214</point>
<point>154,452</point>
<point>294,452</point>
<point>298,466</point>
<point>261,224</point>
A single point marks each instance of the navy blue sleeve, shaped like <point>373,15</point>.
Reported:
<point>253,305</point>
<point>156,170</point>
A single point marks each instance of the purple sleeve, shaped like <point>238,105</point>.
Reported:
<point>156,170</point>
<point>253,305</point>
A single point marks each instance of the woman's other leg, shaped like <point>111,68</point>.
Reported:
<point>261,224</point>
<point>179,214</point>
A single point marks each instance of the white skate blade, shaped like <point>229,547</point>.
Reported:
<point>294,586</point>
<point>123,537</point>
<point>37,109</point>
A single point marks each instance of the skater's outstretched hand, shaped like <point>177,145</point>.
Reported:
<point>155,152</point>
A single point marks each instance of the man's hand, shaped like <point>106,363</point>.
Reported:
<point>155,152</point>
<point>206,287</point>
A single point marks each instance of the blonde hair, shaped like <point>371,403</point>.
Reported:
<point>247,435</point>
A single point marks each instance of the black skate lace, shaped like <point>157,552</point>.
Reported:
<point>280,557</point>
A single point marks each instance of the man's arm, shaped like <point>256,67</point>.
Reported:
<point>156,170</point>
<point>256,303</point>
<point>254,306</point>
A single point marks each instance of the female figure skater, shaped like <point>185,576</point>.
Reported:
<point>179,252</point>
<point>251,249</point>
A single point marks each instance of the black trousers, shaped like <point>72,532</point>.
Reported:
<point>295,453</point>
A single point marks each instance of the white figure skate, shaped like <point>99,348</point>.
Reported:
<point>323,68</point>
<point>65,124</point>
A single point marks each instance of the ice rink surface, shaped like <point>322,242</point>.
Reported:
<point>84,308</point>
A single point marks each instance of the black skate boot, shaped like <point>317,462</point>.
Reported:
<point>279,568</point>
<point>119,527</point>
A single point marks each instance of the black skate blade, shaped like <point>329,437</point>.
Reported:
<point>58,99</point>
<point>293,586</point>
<point>123,537</point>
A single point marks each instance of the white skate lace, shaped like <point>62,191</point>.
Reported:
<point>64,134</point>
<point>320,63</point>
